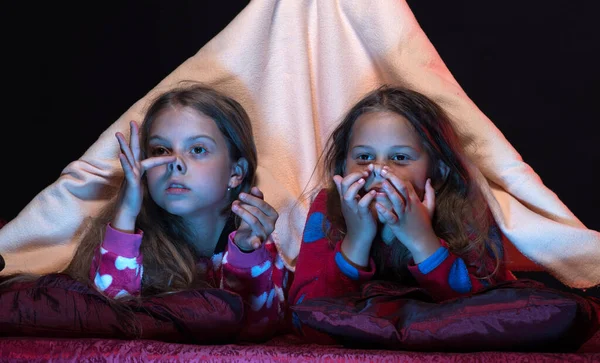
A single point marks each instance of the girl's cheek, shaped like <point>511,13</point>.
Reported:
<point>153,175</point>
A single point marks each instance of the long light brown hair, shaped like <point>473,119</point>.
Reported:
<point>462,217</point>
<point>169,259</point>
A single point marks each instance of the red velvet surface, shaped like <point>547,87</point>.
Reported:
<point>281,349</point>
<point>59,307</point>
<point>521,315</point>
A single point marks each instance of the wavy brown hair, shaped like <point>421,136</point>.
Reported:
<point>169,258</point>
<point>462,216</point>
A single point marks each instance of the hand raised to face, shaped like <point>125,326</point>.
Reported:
<point>258,220</point>
<point>130,198</point>
<point>409,217</point>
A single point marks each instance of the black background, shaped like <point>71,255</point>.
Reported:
<point>531,66</point>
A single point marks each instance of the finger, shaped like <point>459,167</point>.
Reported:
<point>125,148</point>
<point>375,169</point>
<point>127,168</point>
<point>352,178</point>
<point>259,203</point>
<point>397,200</point>
<point>134,140</point>
<point>351,194</point>
<point>370,168</point>
<point>397,183</point>
<point>385,214</point>
<point>429,198</point>
<point>410,191</point>
<point>267,221</point>
<point>257,192</point>
<point>365,201</point>
<point>153,162</point>
<point>255,242</point>
<point>383,199</point>
<point>253,222</point>
<point>338,180</point>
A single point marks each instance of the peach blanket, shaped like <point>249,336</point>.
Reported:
<point>296,66</point>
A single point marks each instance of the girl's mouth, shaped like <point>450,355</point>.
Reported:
<point>176,188</point>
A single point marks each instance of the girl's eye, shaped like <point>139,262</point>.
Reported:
<point>158,151</point>
<point>399,157</point>
<point>363,157</point>
<point>198,150</point>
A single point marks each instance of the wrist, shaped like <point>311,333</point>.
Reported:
<point>243,247</point>
<point>356,266</point>
<point>124,222</point>
<point>357,254</point>
<point>424,247</point>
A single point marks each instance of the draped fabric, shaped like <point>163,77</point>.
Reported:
<point>297,66</point>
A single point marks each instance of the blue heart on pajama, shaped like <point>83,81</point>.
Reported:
<point>102,281</point>
<point>258,301</point>
<point>270,298</point>
<point>122,263</point>
<point>314,227</point>
<point>260,269</point>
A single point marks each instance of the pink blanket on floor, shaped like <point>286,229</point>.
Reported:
<point>281,349</point>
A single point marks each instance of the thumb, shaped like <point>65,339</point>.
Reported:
<point>429,198</point>
<point>255,242</point>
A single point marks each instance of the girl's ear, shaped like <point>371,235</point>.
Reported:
<point>442,171</point>
<point>239,169</point>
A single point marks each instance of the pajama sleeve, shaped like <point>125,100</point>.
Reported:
<point>116,268</point>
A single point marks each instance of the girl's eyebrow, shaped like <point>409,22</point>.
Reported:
<point>393,147</point>
<point>191,138</point>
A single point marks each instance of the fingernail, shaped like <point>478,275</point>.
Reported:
<point>361,181</point>
<point>242,196</point>
<point>384,171</point>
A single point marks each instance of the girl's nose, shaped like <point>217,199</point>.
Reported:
<point>177,165</point>
<point>375,169</point>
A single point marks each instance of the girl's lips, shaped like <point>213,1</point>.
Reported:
<point>177,190</point>
<point>175,185</point>
<point>364,191</point>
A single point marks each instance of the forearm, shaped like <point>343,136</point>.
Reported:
<point>116,268</point>
<point>356,252</point>
<point>445,275</point>
<point>325,272</point>
<point>124,222</point>
<point>423,246</point>
<point>258,277</point>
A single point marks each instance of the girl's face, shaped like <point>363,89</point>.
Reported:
<point>195,185</point>
<point>386,138</point>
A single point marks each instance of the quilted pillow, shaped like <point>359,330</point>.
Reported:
<point>521,315</point>
<point>58,306</point>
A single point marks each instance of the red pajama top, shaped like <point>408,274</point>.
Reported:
<point>322,270</point>
<point>259,277</point>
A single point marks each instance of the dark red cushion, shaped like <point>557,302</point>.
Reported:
<point>58,306</point>
<point>521,315</point>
